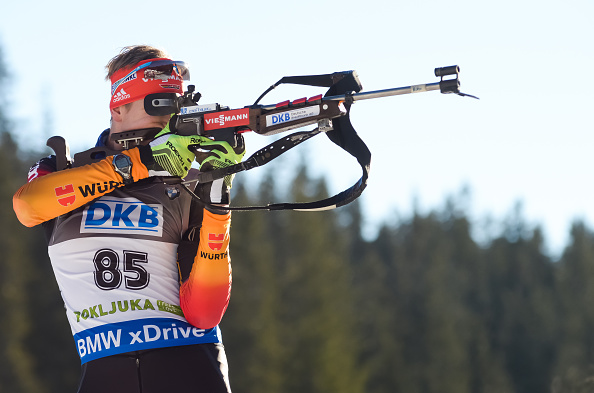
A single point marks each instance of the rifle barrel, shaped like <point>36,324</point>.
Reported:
<point>386,92</point>
<point>376,93</point>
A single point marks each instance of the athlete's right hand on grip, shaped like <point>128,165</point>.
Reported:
<point>169,153</point>
<point>213,154</point>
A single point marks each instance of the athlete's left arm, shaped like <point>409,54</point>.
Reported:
<point>203,256</point>
<point>205,269</point>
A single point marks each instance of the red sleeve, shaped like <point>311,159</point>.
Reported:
<point>206,285</point>
<point>43,167</point>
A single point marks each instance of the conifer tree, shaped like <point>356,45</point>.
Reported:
<point>291,305</point>
<point>318,298</point>
<point>35,342</point>
<point>16,267</point>
<point>251,324</point>
<point>524,312</point>
<point>575,277</point>
<point>423,280</point>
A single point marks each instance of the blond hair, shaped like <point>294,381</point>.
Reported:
<point>131,55</point>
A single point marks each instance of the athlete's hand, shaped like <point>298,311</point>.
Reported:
<point>170,152</point>
<point>215,155</point>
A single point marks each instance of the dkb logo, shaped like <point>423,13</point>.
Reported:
<point>122,215</point>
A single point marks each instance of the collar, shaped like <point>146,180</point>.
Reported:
<point>102,140</point>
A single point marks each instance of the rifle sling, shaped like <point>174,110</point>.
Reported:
<point>343,135</point>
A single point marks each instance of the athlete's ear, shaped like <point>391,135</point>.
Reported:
<point>116,114</point>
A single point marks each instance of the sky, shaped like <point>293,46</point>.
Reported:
<point>527,142</point>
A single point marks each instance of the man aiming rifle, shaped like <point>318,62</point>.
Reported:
<point>144,270</point>
<point>143,266</point>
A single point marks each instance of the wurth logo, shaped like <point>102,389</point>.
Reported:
<point>120,95</point>
<point>65,194</point>
<point>215,241</point>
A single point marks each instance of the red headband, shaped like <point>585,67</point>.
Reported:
<point>147,77</point>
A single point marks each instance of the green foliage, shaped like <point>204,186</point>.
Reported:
<point>15,276</point>
<point>575,281</point>
<point>431,336</point>
<point>33,329</point>
<point>293,314</point>
<point>16,269</point>
<point>422,308</point>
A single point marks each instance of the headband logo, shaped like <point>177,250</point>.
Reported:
<point>148,77</point>
<point>121,95</point>
<point>129,78</point>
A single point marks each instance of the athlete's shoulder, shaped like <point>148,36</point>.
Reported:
<point>42,167</point>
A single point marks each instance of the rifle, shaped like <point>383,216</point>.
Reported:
<point>331,113</point>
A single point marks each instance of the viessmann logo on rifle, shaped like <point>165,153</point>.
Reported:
<point>233,118</point>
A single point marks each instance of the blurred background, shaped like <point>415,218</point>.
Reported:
<point>466,266</point>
